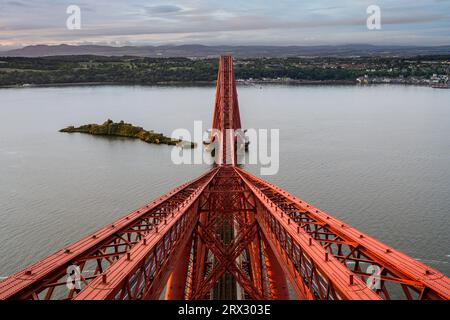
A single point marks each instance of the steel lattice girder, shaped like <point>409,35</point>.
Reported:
<point>227,203</point>
<point>322,249</point>
<point>143,273</point>
<point>102,249</point>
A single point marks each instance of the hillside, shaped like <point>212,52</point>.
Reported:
<point>201,51</point>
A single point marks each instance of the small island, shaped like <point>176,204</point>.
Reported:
<point>127,130</point>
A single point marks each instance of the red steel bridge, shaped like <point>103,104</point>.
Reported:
<point>228,235</point>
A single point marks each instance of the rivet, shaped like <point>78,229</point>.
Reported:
<point>351,279</point>
<point>104,278</point>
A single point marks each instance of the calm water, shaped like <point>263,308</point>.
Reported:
<point>376,157</point>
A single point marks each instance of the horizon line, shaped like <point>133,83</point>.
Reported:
<point>222,45</point>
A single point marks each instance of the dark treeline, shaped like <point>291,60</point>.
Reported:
<point>135,70</point>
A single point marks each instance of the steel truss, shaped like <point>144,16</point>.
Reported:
<point>227,235</point>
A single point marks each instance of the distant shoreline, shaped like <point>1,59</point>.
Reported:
<point>208,83</point>
<point>87,84</point>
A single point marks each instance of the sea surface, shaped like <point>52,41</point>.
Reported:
<point>377,157</point>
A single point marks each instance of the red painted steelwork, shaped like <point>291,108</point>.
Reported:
<point>226,117</point>
<point>46,279</point>
<point>228,235</point>
<point>326,241</point>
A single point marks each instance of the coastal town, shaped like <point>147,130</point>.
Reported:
<point>70,70</point>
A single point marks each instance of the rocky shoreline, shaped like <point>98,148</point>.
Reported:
<point>211,83</point>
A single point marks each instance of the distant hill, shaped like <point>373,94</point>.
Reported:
<point>201,51</point>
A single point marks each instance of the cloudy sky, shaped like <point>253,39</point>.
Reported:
<point>265,22</point>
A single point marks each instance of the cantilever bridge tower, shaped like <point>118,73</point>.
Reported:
<point>227,235</point>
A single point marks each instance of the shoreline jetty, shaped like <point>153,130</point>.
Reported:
<point>127,130</point>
